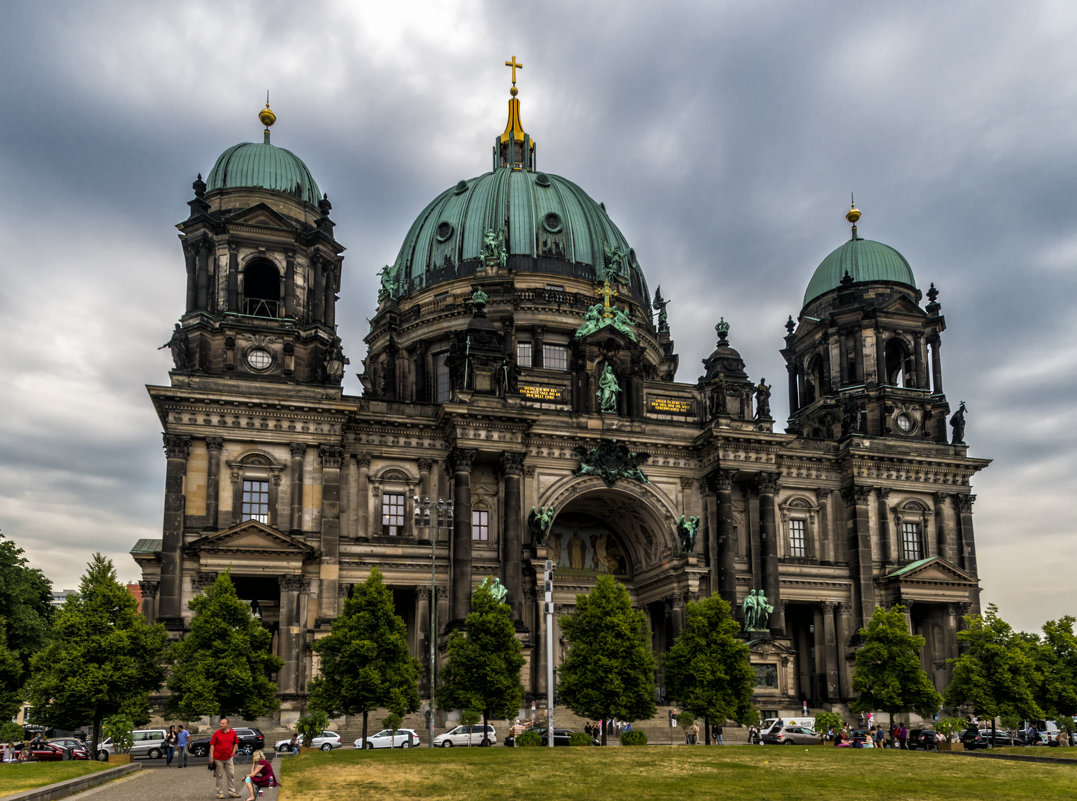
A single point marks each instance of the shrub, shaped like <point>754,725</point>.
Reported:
<point>10,732</point>
<point>120,728</point>
<point>528,738</point>
<point>685,719</point>
<point>580,738</point>
<point>634,737</point>
<point>825,721</point>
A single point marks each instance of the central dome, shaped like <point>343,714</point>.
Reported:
<point>549,225</point>
<point>862,260</point>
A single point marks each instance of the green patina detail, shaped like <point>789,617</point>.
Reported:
<point>611,460</point>
<point>263,166</point>
<point>863,260</point>
<point>496,588</point>
<point>901,571</point>
<point>687,528</point>
<point>608,390</point>
<point>593,320</point>
<point>389,289</point>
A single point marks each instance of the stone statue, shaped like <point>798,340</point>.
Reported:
<point>958,422</point>
<point>687,528</point>
<point>748,608</point>
<point>538,523</point>
<point>479,297</point>
<point>762,400</point>
<point>496,588</point>
<point>756,611</point>
<point>615,262</point>
<point>493,249</point>
<point>180,347</point>
<point>660,304</point>
<point>601,560</point>
<point>623,323</point>
<point>608,390</point>
<point>388,288</point>
<point>334,362</point>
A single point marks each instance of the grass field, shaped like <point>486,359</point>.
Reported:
<point>662,773</point>
<point>15,778</point>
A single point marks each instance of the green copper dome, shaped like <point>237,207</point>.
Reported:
<point>263,166</point>
<point>548,223</point>
<point>863,260</point>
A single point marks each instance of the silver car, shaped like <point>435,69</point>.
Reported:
<point>404,738</point>
<point>791,735</point>
<point>324,741</point>
<point>466,735</point>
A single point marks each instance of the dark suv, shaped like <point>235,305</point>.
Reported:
<point>249,739</point>
<point>924,739</point>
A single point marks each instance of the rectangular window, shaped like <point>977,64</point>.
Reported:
<point>480,525</point>
<point>555,287</point>
<point>523,354</point>
<point>256,501</point>
<point>910,542</point>
<point>442,381</point>
<point>392,514</point>
<point>555,357</point>
<point>798,539</point>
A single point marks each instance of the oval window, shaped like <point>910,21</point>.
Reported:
<point>552,222</point>
<point>445,231</point>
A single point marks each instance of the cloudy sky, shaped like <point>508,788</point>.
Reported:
<point>724,139</point>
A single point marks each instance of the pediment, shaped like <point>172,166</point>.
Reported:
<point>261,215</point>
<point>933,570</point>
<point>901,304</point>
<point>249,537</point>
<point>607,331</point>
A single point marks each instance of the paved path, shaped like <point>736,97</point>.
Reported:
<point>192,783</point>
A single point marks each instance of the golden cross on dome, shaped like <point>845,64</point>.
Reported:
<point>606,292</point>
<point>515,67</point>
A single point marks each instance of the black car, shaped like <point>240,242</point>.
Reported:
<point>250,740</point>
<point>923,739</point>
<point>973,739</point>
<point>560,737</point>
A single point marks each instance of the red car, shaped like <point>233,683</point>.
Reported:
<point>49,752</point>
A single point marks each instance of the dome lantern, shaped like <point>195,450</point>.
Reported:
<point>514,147</point>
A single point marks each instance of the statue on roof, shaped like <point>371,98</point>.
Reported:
<point>687,528</point>
<point>958,422</point>
<point>660,304</point>
<point>180,348</point>
<point>388,284</point>
<point>494,253</point>
<point>608,390</point>
<point>762,400</point>
<point>615,263</point>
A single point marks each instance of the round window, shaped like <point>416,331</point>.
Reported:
<point>905,423</point>
<point>445,230</point>
<point>552,222</point>
<point>259,359</point>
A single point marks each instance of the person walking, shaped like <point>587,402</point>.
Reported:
<point>183,739</point>
<point>170,746</point>
<point>718,734</point>
<point>222,746</point>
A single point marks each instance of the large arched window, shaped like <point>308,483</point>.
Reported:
<point>261,289</point>
<point>899,366</point>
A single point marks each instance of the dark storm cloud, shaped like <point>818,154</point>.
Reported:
<point>723,138</point>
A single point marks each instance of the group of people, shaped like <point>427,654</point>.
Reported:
<point>222,751</point>
<point>613,727</point>
<point>176,745</point>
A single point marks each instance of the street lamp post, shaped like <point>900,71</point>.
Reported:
<point>442,518</point>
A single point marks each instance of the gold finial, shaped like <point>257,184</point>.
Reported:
<point>515,66</point>
<point>266,115</point>
<point>854,213</point>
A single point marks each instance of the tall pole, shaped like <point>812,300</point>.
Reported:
<point>443,512</point>
<point>549,653</point>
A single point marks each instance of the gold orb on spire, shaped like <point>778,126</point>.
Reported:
<point>266,115</point>
<point>853,214</point>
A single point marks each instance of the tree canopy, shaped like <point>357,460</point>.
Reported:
<point>102,658</point>
<point>1055,655</point>
<point>223,665</point>
<point>996,673</point>
<point>25,617</point>
<point>365,662</point>
<point>608,670</point>
<point>707,668</point>
<point>888,674</point>
<point>482,673</point>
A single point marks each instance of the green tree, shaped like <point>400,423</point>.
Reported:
<point>1055,655</point>
<point>102,657</point>
<point>707,668</point>
<point>483,669</point>
<point>311,725</point>
<point>25,616</point>
<point>888,674</point>
<point>996,673</point>
<point>364,659</point>
<point>608,670</point>
<point>222,666</point>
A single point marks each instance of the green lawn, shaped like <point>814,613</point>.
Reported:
<point>661,773</point>
<point>17,777</point>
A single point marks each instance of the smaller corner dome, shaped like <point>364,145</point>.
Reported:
<point>261,165</point>
<point>865,261</point>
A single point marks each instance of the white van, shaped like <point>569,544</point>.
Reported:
<point>148,743</point>
<point>804,721</point>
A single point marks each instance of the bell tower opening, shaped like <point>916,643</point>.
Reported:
<point>261,289</point>
<point>899,366</point>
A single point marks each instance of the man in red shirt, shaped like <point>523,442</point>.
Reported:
<point>223,746</point>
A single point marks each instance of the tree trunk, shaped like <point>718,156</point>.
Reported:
<point>706,730</point>
<point>364,728</point>
<point>95,735</point>
<point>605,722</point>
<point>485,732</point>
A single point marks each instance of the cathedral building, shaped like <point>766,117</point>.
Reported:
<point>520,404</point>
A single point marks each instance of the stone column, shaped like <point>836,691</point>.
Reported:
<point>318,290</point>
<point>289,285</point>
<point>460,574</point>
<point>424,477</point>
<point>177,450</point>
<point>204,248</point>
<point>722,482</point>
<point>213,481</point>
<point>290,632</point>
<point>232,290</point>
<point>794,399</point>
<point>943,544</point>
<point>331,296</point>
<point>918,361</point>
<point>825,546</point>
<point>362,460</point>
<point>858,521</point>
<point>964,503</point>
<point>845,626</point>
<point>190,254</point>
<point>676,617</point>
<point>768,535</point>
<point>349,497</point>
<point>422,639</point>
<point>537,336</point>
<point>709,527</point>
<point>149,599</point>
<point>830,652</point>
<point>299,452</point>
<point>512,465</point>
<point>420,395</point>
<point>936,365</point>
<point>332,457</point>
<point>887,553</point>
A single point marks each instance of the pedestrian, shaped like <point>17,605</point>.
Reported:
<point>718,734</point>
<point>183,739</point>
<point>261,775</point>
<point>903,736</point>
<point>170,746</point>
<point>293,744</point>
<point>223,745</point>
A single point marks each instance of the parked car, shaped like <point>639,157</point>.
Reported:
<point>71,744</point>
<point>1001,737</point>
<point>560,737</point>
<point>249,740</point>
<point>466,735</point>
<point>403,738</point>
<point>923,740</point>
<point>51,752</point>
<point>105,749</point>
<point>148,743</point>
<point>324,741</point>
<point>973,739</point>
<point>791,735</point>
